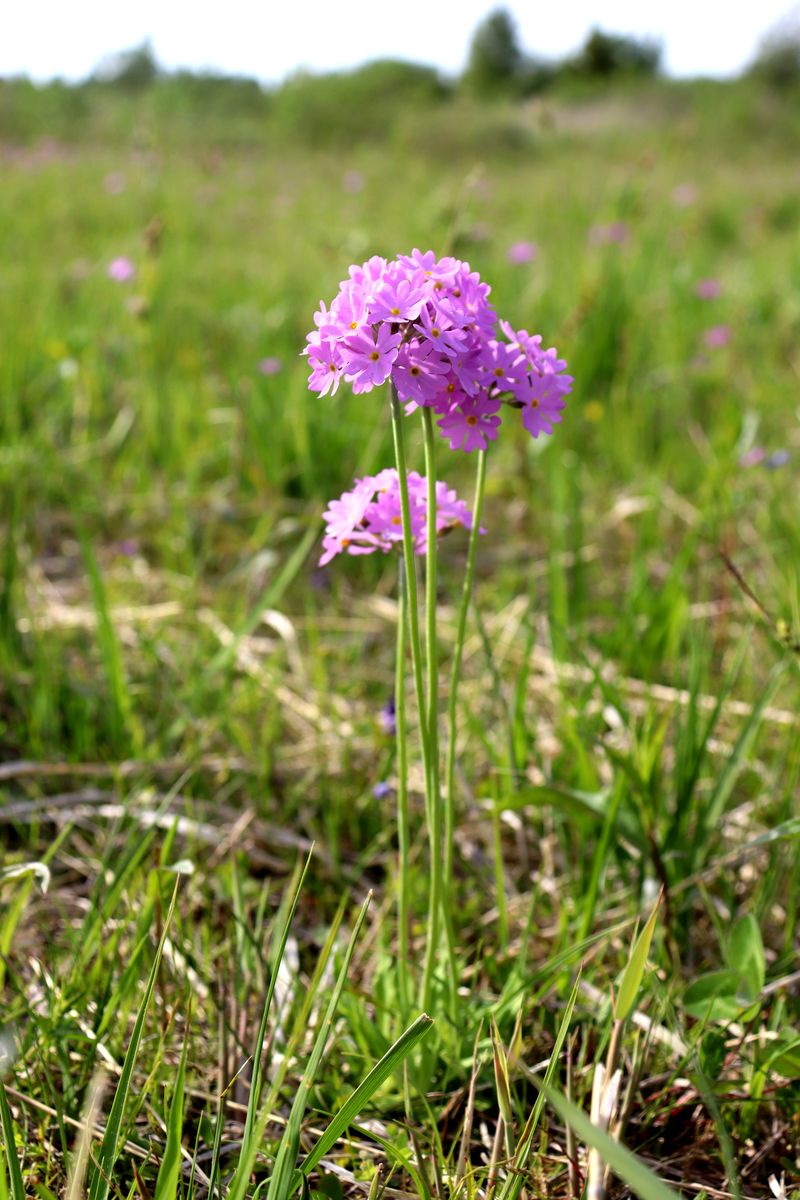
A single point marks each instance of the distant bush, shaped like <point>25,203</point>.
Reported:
<point>356,105</point>
<point>133,69</point>
<point>778,59</point>
<point>607,54</point>
<point>498,66</point>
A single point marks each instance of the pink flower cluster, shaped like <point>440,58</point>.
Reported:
<point>428,326</point>
<point>369,517</point>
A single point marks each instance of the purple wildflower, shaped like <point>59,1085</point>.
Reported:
<point>388,717</point>
<point>369,517</point>
<point>427,325</point>
<point>778,458</point>
<point>270,366</point>
<point>717,336</point>
<point>684,195</point>
<point>471,423</point>
<point>520,253</point>
<point>708,289</point>
<point>326,362</point>
<point>419,373</point>
<point>382,789</point>
<point>353,181</point>
<point>368,360</point>
<point>752,457</point>
<point>604,235</point>
<point>121,270</point>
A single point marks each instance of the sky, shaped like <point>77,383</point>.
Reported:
<point>268,39</point>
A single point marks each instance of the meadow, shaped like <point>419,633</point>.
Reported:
<point>198,775</point>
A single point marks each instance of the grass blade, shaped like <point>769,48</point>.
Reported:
<point>109,1146</point>
<point>634,969</point>
<point>255,1084</point>
<point>282,1181</point>
<point>391,1060</point>
<point>14,1169</point>
<point>169,1171</point>
<point>514,1181</point>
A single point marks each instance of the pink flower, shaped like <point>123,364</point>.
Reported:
<point>369,517</point>
<point>471,423</point>
<point>716,336</point>
<point>427,325</point>
<point>615,233</point>
<point>684,195</point>
<point>397,299</point>
<point>520,253</point>
<point>121,270</point>
<point>270,366</point>
<point>368,360</point>
<point>752,458</point>
<point>708,289</point>
<point>326,365</point>
<point>420,373</point>
<point>353,181</point>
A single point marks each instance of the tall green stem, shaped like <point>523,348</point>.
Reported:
<point>436,825</point>
<point>403,837</point>
<point>455,673</point>
<point>412,601</point>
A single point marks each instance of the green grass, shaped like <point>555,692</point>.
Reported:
<point>185,699</point>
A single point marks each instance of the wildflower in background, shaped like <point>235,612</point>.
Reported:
<point>613,234</point>
<point>388,717</point>
<point>114,183</point>
<point>778,458</point>
<point>121,270</point>
<point>270,366</point>
<point>521,252</point>
<point>752,457</point>
<point>426,325</point>
<point>352,181</point>
<point>382,789</point>
<point>708,289</point>
<point>684,195</point>
<point>717,336</point>
<point>369,517</point>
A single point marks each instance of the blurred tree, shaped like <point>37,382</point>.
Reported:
<point>605,54</point>
<point>777,60</point>
<point>495,57</point>
<point>498,65</point>
<point>133,69</point>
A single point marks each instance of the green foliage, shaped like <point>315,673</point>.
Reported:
<point>607,54</point>
<point>131,70</point>
<point>360,105</point>
<point>497,66</point>
<point>777,61</point>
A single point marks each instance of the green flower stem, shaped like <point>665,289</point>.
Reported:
<point>436,913</point>
<point>412,601</point>
<point>403,836</point>
<point>455,674</point>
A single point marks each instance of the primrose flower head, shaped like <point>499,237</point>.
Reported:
<point>426,326</point>
<point>369,517</point>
